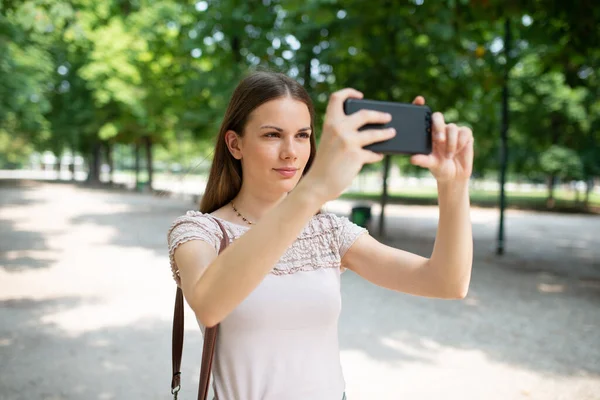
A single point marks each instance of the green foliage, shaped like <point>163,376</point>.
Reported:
<point>14,151</point>
<point>74,74</point>
<point>561,162</point>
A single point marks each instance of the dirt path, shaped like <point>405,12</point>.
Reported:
<point>86,306</point>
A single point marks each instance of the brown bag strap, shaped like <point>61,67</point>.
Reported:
<point>210,340</point>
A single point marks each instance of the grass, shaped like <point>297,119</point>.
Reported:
<point>532,200</point>
<point>535,200</point>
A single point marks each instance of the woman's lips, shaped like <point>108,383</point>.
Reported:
<point>287,172</point>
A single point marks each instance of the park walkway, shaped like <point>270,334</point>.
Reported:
<point>86,304</point>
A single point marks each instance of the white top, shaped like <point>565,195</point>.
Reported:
<point>281,342</point>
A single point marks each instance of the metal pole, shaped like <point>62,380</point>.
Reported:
<point>504,137</point>
<point>384,195</point>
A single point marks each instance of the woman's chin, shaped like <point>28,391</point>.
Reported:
<point>287,185</point>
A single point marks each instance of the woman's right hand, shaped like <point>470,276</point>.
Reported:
<point>341,156</point>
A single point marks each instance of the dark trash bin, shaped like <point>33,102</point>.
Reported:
<point>361,215</point>
<point>141,186</point>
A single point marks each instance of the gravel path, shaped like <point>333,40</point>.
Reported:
<point>86,302</point>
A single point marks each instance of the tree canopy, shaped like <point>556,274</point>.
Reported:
<point>82,75</point>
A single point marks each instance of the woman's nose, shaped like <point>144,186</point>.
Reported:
<point>288,149</point>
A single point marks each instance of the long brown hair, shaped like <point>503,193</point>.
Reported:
<point>225,178</point>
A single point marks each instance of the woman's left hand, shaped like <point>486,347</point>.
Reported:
<point>451,158</point>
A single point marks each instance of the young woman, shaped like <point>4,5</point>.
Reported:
<point>275,290</point>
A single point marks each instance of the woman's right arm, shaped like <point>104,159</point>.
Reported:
<point>214,285</point>
<point>237,271</point>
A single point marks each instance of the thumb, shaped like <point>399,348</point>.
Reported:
<point>371,157</point>
<point>423,160</point>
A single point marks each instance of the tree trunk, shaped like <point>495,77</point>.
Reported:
<point>384,195</point>
<point>148,143</point>
<point>387,159</point>
<point>110,162</point>
<point>94,164</point>
<point>550,201</point>
<point>307,75</point>
<point>57,167</point>
<point>72,165</point>
<point>501,241</point>
<point>137,165</point>
<point>589,185</point>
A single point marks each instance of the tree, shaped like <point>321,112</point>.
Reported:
<point>560,162</point>
<point>88,76</point>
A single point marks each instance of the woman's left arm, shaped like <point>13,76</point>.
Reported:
<point>447,273</point>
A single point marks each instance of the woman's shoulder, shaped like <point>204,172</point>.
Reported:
<point>340,226</point>
<point>195,218</point>
<point>323,223</point>
<point>330,220</point>
<point>194,224</point>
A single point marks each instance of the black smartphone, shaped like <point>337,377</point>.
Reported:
<point>412,123</point>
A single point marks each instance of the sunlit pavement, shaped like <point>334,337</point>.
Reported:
<point>86,300</point>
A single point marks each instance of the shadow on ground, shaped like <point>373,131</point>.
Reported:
<point>20,249</point>
<point>18,193</point>
<point>538,321</point>
<point>113,362</point>
<point>543,320</point>
<point>144,223</point>
<point>514,316</point>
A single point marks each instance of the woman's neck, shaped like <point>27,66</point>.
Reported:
<point>253,204</point>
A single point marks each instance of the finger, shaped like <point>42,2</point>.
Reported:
<point>423,160</point>
<point>437,123</point>
<point>370,157</point>
<point>464,136</point>
<point>465,147</point>
<point>419,100</point>
<point>371,136</point>
<point>468,155</point>
<point>335,107</point>
<point>451,139</point>
<point>364,117</point>
<point>438,129</point>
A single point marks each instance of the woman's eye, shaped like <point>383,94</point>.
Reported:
<point>303,135</point>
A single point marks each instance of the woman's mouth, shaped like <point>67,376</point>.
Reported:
<point>287,172</point>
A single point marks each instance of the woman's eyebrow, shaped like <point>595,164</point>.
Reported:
<point>281,130</point>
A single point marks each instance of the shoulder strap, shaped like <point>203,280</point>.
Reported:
<point>210,339</point>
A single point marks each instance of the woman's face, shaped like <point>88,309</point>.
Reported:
<point>275,146</point>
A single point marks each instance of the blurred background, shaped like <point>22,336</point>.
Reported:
<point>132,91</point>
<point>108,114</point>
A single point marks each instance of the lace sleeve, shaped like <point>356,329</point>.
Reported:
<point>192,226</point>
<point>348,233</point>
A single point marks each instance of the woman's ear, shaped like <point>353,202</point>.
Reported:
<point>233,142</point>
